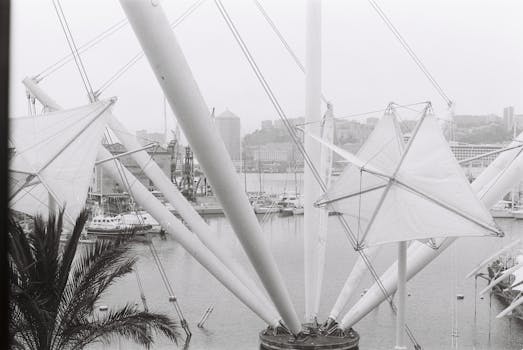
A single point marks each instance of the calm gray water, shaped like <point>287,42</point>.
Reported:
<point>233,326</point>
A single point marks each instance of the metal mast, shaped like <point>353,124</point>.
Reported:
<point>312,189</point>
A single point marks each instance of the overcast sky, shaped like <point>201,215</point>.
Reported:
<point>472,47</point>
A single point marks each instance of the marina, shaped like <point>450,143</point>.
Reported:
<point>432,289</point>
<point>311,233</point>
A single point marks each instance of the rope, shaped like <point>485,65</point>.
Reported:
<point>475,329</point>
<point>141,54</point>
<point>140,287</point>
<point>268,90</point>
<point>282,40</point>
<point>314,171</point>
<point>268,214</point>
<point>355,115</point>
<point>81,49</point>
<point>410,52</point>
<point>74,48</point>
<point>161,270</point>
<point>172,297</point>
<point>489,316</point>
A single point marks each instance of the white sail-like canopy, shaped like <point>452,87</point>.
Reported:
<point>391,195</point>
<point>54,156</point>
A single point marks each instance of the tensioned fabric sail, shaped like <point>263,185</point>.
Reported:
<point>383,146</point>
<point>57,151</point>
<point>382,150</point>
<point>428,196</point>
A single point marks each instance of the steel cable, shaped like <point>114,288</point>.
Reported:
<point>290,130</point>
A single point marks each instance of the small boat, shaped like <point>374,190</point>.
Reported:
<point>286,212</point>
<point>110,226</point>
<point>208,209</point>
<point>203,206</point>
<point>517,213</point>
<point>264,206</point>
<point>292,210</point>
<point>298,210</point>
<point>83,239</point>
<point>289,200</point>
<point>502,209</point>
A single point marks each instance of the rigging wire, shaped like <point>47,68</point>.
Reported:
<point>355,115</point>
<point>289,49</point>
<point>141,54</point>
<point>350,235</point>
<point>172,297</point>
<point>74,49</point>
<point>81,49</point>
<point>389,24</point>
<point>140,287</point>
<point>410,52</point>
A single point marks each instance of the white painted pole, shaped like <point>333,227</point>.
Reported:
<point>402,296</point>
<point>419,256</point>
<point>187,239</point>
<point>498,164</point>
<point>175,77</point>
<point>312,190</point>
<point>40,95</point>
<point>184,208</point>
<point>359,270</point>
<point>327,133</point>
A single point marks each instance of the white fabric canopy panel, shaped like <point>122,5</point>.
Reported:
<point>382,151</point>
<point>355,193</point>
<point>427,196</point>
<point>59,149</point>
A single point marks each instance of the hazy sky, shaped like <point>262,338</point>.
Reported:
<point>472,47</point>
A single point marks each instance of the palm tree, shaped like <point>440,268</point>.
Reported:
<point>54,294</point>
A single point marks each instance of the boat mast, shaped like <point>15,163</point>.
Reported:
<point>259,173</point>
<point>312,190</point>
<point>183,94</point>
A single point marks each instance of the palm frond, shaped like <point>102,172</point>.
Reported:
<point>127,322</point>
<point>54,295</point>
<point>80,300</point>
<point>20,250</point>
<point>70,251</point>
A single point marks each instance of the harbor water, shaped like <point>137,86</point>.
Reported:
<point>435,316</point>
